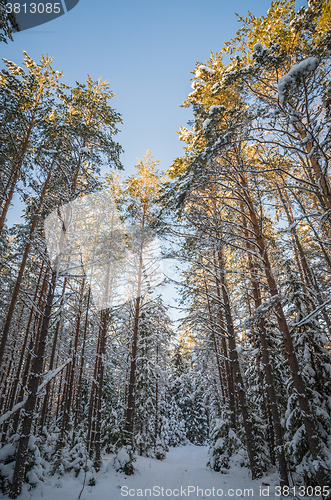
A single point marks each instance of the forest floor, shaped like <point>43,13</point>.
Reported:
<point>180,475</point>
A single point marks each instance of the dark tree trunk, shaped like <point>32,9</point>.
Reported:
<point>322,474</point>
<point>101,365</point>
<point>19,470</point>
<point>247,420</point>
<point>22,267</point>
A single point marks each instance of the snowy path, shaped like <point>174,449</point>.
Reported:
<point>180,474</point>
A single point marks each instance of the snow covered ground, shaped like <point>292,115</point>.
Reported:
<point>178,476</point>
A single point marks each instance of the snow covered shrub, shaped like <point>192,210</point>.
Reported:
<point>111,429</point>
<point>76,459</point>
<point>7,462</point>
<point>34,469</point>
<point>198,426</point>
<point>296,442</point>
<point>177,434</point>
<point>160,451</point>
<point>224,446</point>
<point>124,460</point>
<point>112,416</point>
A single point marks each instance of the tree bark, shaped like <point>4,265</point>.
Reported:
<point>101,365</point>
<point>19,470</point>
<point>22,267</point>
<point>322,473</point>
<point>247,420</point>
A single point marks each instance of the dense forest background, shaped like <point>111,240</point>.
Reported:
<point>247,209</point>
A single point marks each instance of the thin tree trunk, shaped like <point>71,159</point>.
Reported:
<point>220,372</point>
<point>247,420</point>
<point>322,473</point>
<point>19,470</point>
<point>90,443</point>
<point>101,365</point>
<point>80,379</point>
<point>227,361</point>
<point>156,429</point>
<point>22,267</point>
<point>68,400</point>
<point>51,361</point>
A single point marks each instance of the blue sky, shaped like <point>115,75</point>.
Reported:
<point>146,50</point>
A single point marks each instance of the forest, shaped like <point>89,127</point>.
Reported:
<point>246,210</point>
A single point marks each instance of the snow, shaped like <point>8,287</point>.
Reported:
<point>312,314</point>
<point>298,70</point>
<point>15,408</point>
<point>257,47</point>
<point>180,475</point>
<point>206,123</point>
<point>51,374</point>
<point>204,69</point>
<point>6,451</point>
<point>214,109</point>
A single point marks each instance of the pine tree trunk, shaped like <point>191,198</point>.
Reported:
<point>270,385</point>
<point>90,442</point>
<point>322,473</point>
<point>101,364</point>
<point>156,429</point>
<point>22,267</point>
<point>19,470</point>
<point>32,344</point>
<point>68,400</point>
<point>131,396</point>
<point>220,372</point>
<point>130,410</point>
<point>51,361</point>
<point>247,420</point>
<point>227,362</point>
<point>82,362</point>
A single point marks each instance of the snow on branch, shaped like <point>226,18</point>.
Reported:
<point>51,374</point>
<point>299,70</point>
<point>11,412</point>
<point>47,378</point>
<point>312,314</point>
<point>261,312</point>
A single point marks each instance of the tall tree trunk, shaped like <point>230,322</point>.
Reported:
<point>33,343</point>
<point>51,361</point>
<point>130,410</point>
<point>322,472</point>
<point>220,372</point>
<point>19,470</point>
<point>227,361</point>
<point>82,363</point>
<point>68,401</point>
<point>270,385</point>
<point>247,420</point>
<point>22,267</point>
<point>101,365</point>
<point>90,441</point>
